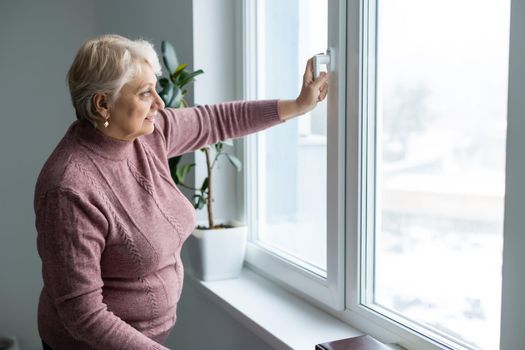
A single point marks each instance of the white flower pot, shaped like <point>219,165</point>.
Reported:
<point>212,255</point>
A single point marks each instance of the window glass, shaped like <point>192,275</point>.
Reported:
<point>440,164</point>
<point>292,156</point>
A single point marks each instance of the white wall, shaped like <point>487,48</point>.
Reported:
<point>151,20</point>
<point>215,51</point>
<point>513,307</point>
<point>38,41</point>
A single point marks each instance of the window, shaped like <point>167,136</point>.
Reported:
<point>395,187</point>
<point>292,157</point>
<point>433,167</point>
<point>295,230</point>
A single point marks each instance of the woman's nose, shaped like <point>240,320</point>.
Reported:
<point>158,101</point>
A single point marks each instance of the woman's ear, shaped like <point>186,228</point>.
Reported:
<point>100,104</point>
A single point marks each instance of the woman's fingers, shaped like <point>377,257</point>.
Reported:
<point>313,91</point>
<point>323,92</point>
<point>322,79</point>
<point>320,86</point>
<point>308,76</point>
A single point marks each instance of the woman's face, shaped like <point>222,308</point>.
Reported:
<point>132,114</point>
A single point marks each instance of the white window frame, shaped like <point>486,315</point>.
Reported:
<point>330,290</point>
<point>331,295</point>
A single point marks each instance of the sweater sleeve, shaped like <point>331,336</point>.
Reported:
<point>71,238</point>
<point>188,129</point>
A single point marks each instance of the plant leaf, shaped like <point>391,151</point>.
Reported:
<point>178,71</point>
<point>173,163</point>
<point>195,200</point>
<point>169,56</point>
<point>176,98</point>
<point>182,171</point>
<point>163,82</point>
<point>188,78</point>
<point>180,77</point>
<point>205,184</point>
<point>167,93</point>
<point>201,202</point>
<point>235,161</point>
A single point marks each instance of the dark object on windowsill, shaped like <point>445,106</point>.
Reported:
<point>6,343</point>
<point>364,342</point>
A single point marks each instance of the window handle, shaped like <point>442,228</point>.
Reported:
<point>323,58</point>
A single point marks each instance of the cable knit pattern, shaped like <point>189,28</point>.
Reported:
<point>147,186</point>
<point>111,224</point>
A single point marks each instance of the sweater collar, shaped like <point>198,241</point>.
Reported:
<point>102,145</point>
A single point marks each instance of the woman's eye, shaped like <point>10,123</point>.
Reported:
<point>146,93</point>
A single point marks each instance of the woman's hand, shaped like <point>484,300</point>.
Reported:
<point>312,92</point>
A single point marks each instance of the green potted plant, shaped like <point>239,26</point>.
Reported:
<point>215,251</point>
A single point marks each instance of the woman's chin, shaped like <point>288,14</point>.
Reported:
<point>147,127</point>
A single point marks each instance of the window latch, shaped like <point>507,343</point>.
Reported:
<point>323,58</point>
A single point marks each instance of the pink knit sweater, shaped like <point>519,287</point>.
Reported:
<point>111,223</point>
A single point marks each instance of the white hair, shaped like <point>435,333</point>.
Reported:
<point>104,65</point>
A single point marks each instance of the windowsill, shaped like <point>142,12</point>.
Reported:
<point>278,317</point>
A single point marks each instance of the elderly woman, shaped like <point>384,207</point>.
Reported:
<point>110,220</point>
